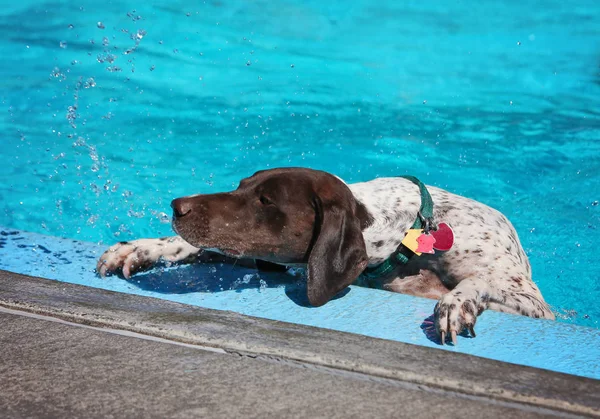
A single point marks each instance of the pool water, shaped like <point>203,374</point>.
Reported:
<point>111,110</point>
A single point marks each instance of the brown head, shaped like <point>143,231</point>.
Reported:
<point>287,216</point>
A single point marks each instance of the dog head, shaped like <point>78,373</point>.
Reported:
<point>290,215</point>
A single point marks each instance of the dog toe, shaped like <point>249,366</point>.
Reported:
<point>454,314</point>
<point>111,261</point>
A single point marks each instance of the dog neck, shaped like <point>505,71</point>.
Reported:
<point>392,205</point>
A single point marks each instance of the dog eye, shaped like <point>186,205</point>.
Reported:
<point>265,201</point>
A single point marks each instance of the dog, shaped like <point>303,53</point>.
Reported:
<point>303,217</point>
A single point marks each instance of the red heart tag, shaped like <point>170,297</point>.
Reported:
<point>425,242</point>
<point>444,237</point>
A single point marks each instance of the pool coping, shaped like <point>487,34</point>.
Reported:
<point>262,338</point>
<point>555,346</point>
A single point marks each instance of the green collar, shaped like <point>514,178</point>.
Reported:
<point>402,254</point>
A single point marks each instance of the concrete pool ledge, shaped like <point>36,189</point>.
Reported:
<point>376,359</point>
<point>552,345</point>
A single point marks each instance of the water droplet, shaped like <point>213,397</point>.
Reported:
<point>518,42</point>
<point>133,16</point>
<point>595,204</point>
<point>72,115</point>
<point>89,83</point>
<point>100,25</point>
<point>292,66</point>
<point>135,214</point>
<point>57,74</point>
<point>248,63</point>
<point>63,44</point>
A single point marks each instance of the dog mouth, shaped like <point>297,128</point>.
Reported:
<point>202,242</point>
<point>231,252</point>
<point>223,251</point>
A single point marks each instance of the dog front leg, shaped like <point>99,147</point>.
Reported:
<point>136,256</point>
<point>458,309</point>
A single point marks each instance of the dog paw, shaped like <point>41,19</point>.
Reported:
<point>455,313</point>
<point>126,259</point>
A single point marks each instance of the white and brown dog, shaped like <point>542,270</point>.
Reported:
<point>294,216</point>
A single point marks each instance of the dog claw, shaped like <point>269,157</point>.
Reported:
<point>443,337</point>
<point>472,331</point>
<point>453,335</point>
<point>101,268</point>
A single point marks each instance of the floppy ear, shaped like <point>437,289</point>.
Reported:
<point>338,255</point>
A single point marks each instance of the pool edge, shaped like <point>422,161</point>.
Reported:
<point>257,337</point>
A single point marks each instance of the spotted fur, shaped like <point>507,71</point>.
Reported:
<point>486,267</point>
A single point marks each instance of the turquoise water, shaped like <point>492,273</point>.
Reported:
<point>109,111</point>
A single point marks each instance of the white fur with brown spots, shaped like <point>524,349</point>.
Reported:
<point>485,268</point>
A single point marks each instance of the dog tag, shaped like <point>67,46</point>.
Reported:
<point>444,237</point>
<point>410,240</point>
<point>425,242</point>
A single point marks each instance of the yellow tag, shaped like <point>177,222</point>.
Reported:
<point>410,240</point>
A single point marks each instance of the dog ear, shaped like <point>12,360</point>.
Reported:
<point>338,255</point>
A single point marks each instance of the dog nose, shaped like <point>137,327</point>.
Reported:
<point>181,207</point>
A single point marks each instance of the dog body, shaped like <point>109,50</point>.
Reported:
<point>297,216</point>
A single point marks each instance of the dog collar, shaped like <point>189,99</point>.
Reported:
<point>414,240</point>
